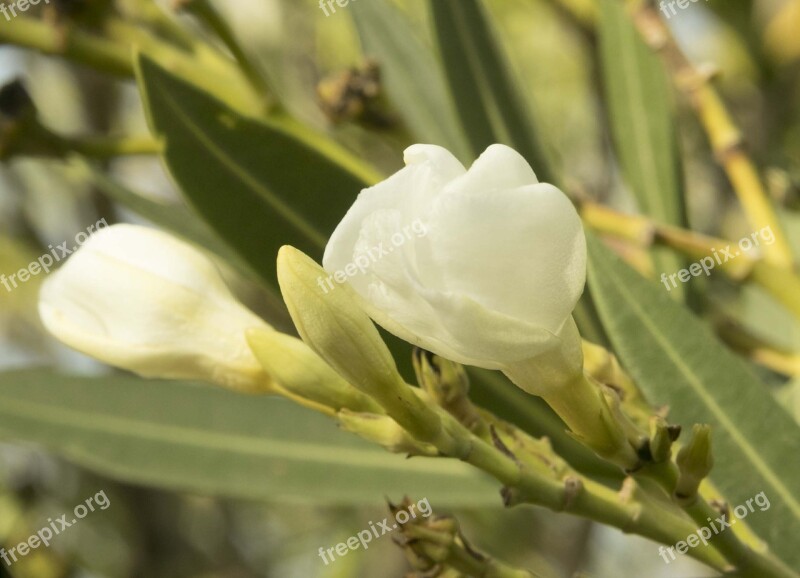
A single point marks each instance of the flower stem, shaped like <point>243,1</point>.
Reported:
<point>588,499</point>
<point>108,147</point>
<point>93,51</point>
<point>580,403</point>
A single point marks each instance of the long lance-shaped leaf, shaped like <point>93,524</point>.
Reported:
<point>412,75</point>
<point>679,362</point>
<point>259,185</point>
<point>193,437</point>
<point>637,93</point>
<point>488,99</point>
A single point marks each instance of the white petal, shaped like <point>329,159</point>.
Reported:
<point>519,252</point>
<point>498,168</point>
<point>146,302</point>
<point>408,192</point>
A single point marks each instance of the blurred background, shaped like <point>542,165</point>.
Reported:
<point>305,55</point>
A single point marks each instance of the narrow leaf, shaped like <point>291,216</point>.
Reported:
<point>193,437</point>
<point>412,75</point>
<point>641,115</point>
<point>259,185</point>
<point>488,99</point>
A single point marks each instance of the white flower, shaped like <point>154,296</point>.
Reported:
<point>139,299</point>
<point>494,280</point>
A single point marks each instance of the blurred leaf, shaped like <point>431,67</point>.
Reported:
<point>413,77</point>
<point>16,255</point>
<point>789,396</point>
<point>780,37</point>
<point>488,99</point>
<point>679,362</point>
<point>637,92</point>
<point>194,437</point>
<point>259,185</point>
<point>170,217</point>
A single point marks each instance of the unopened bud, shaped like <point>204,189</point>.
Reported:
<point>694,463</point>
<point>336,328</point>
<point>300,371</point>
<point>383,430</point>
<point>662,435</point>
<point>447,383</point>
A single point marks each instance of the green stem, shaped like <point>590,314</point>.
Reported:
<point>93,51</point>
<point>154,16</point>
<point>748,562</point>
<point>580,404</point>
<point>590,500</point>
<point>108,147</point>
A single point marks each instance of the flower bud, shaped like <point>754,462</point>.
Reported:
<point>300,371</point>
<point>383,430</point>
<point>447,383</point>
<point>481,266</point>
<point>142,300</point>
<point>662,435</point>
<point>336,328</point>
<point>694,463</point>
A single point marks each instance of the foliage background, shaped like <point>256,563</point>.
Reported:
<point>160,532</point>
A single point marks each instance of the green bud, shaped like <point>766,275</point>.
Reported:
<point>694,463</point>
<point>661,437</point>
<point>447,383</point>
<point>383,430</point>
<point>336,327</point>
<point>603,366</point>
<point>445,380</point>
<point>297,369</point>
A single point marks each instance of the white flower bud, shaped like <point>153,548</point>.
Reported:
<point>142,300</point>
<point>493,280</point>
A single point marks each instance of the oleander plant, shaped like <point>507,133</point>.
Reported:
<point>376,288</point>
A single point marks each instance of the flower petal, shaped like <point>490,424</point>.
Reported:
<point>520,252</point>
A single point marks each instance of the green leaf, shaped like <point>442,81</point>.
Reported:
<point>641,118</point>
<point>258,184</point>
<point>679,362</point>
<point>411,74</point>
<point>193,437</point>
<point>488,99</point>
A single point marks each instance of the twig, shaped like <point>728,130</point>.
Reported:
<point>725,137</point>
<point>781,283</point>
